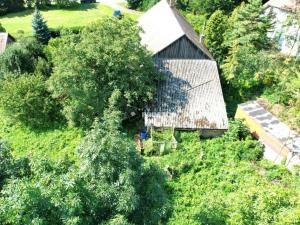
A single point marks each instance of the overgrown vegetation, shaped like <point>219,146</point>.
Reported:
<point>109,185</point>
<point>52,173</point>
<point>225,181</point>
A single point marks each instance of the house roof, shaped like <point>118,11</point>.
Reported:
<point>189,98</point>
<point>4,40</point>
<point>163,25</point>
<point>289,5</point>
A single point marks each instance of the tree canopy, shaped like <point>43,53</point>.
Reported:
<point>90,65</point>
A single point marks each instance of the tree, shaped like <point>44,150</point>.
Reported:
<point>40,29</point>
<point>208,7</point>
<point>110,186</point>
<point>7,6</point>
<point>214,34</point>
<point>104,57</point>
<point>246,37</point>
<point>26,99</point>
<point>134,4</point>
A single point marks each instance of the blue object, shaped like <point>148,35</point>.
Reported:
<point>117,13</point>
<point>143,135</point>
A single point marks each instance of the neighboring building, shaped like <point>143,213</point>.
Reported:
<point>286,26</point>
<point>5,39</point>
<point>280,142</point>
<point>190,96</point>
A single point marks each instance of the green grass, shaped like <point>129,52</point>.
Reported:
<point>54,143</point>
<point>77,16</point>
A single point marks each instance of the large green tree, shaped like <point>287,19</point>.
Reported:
<point>214,34</point>
<point>104,57</point>
<point>245,38</point>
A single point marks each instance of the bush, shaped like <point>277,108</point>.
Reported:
<point>20,57</point>
<point>26,99</point>
<point>2,29</point>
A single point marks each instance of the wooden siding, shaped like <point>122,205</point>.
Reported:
<point>183,48</point>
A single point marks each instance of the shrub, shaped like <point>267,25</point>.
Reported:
<point>2,29</point>
<point>26,99</point>
<point>20,57</point>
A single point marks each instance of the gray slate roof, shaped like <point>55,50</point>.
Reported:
<point>5,39</point>
<point>163,25</point>
<point>189,98</point>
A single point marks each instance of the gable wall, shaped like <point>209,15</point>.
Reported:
<point>183,48</point>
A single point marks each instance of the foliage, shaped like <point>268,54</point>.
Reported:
<point>54,143</point>
<point>245,40</point>
<point>104,57</point>
<point>197,21</point>
<point>9,167</point>
<point>2,29</point>
<point>21,57</point>
<point>110,186</point>
<point>7,6</point>
<point>25,99</point>
<point>224,181</point>
<point>214,35</point>
<point>133,4</point>
<point>210,6</point>
<point>40,29</point>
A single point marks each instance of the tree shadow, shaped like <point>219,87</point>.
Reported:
<point>172,92</point>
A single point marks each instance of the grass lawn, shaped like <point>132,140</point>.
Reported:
<point>80,15</point>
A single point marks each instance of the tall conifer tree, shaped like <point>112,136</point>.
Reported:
<point>40,29</point>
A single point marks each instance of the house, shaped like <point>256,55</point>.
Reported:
<point>286,27</point>
<point>280,142</point>
<point>190,96</point>
<point>5,39</point>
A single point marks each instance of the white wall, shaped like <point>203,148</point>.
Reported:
<point>286,31</point>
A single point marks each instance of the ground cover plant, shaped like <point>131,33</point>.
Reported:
<point>226,181</point>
